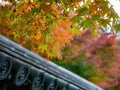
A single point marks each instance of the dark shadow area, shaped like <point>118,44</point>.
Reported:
<point>8,85</point>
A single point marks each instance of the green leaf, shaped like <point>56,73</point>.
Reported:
<point>26,16</point>
<point>117,27</point>
<point>96,17</point>
<point>88,23</point>
<point>48,38</point>
<point>43,47</point>
<point>50,54</point>
<point>5,10</point>
<point>104,22</point>
<point>34,10</point>
<point>84,11</point>
<point>76,19</point>
<point>95,33</point>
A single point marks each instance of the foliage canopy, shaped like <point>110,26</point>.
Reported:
<point>47,26</point>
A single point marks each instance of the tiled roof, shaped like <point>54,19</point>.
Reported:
<point>23,69</point>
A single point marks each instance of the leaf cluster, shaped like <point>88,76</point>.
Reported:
<point>47,26</point>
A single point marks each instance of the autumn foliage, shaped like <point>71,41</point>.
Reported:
<point>47,26</point>
<point>101,52</point>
